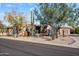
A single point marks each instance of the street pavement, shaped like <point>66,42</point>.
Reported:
<point>23,48</point>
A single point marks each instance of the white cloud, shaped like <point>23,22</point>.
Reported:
<point>1,15</point>
<point>0,6</point>
<point>8,5</point>
<point>21,4</point>
<point>2,19</point>
<point>30,4</point>
<point>28,18</point>
<point>31,8</point>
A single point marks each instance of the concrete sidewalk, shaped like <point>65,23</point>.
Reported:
<point>66,41</point>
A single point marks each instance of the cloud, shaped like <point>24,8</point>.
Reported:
<point>28,18</point>
<point>0,6</point>
<point>8,5</point>
<point>2,19</point>
<point>31,8</point>
<point>31,4</point>
<point>1,16</point>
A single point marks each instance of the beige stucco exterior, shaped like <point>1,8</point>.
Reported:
<point>64,31</point>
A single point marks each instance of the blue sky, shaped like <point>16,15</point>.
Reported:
<point>19,7</point>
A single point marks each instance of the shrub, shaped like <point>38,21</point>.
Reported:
<point>77,30</point>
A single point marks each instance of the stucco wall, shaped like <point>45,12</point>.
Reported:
<point>65,31</point>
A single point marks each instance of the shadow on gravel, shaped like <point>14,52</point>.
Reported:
<point>73,41</point>
<point>38,49</point>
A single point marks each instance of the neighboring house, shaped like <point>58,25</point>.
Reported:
<point>9,30</point>
<point>65,30</point>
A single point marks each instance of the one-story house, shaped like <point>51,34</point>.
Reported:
<point>65,30</point>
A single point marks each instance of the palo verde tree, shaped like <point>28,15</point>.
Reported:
<point>1,27</point>
<point>72,20</point>
<point>53,14</point>
<point>14,18</point>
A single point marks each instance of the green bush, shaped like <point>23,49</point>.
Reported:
<point>77,30</point>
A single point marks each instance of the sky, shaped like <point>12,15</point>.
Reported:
<point>18,7</point>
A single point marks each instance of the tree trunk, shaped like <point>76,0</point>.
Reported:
<point>53,34</point>
<point>56,35</point>
<point>63,33</point>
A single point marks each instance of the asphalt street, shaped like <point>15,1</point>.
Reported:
<point>22,48</point>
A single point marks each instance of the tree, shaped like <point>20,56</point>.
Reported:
<point>53,14</point>
<point>77,30</point>
<point>15,19</point>
<point>1,27</point>
<point>72,20</point>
